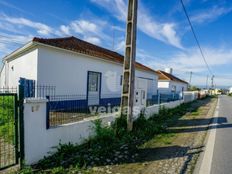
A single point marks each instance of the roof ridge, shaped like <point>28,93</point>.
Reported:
<point>61,38</point>
<point>78,45</point>
<point>172,78</point>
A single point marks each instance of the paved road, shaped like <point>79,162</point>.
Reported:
<point>217,156</point>
<point>222,152</point>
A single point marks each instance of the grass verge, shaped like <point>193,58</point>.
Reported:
<point>112,145</point>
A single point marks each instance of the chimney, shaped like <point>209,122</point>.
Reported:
<point>168,70</point>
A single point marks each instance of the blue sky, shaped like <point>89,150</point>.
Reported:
<point>164,36</point>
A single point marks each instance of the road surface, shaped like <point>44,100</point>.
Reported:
<point>217,158</point>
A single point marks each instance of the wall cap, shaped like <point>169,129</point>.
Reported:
<point>35,100</point>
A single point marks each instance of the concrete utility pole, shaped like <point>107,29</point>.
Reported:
<point>127,102</point>
<point>207,79</point>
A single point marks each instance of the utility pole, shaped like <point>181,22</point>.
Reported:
<point>207,79</point>
<point>127,102</point>
<point>212,81</point>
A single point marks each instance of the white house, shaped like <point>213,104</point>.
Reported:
<point>75,67</point>
<point>170,84</point>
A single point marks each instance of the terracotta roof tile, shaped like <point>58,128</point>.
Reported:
<point>166,76</point>
<point>80,46</point>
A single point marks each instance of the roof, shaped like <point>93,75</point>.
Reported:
<point>166,76</point>
<point>80,46</point>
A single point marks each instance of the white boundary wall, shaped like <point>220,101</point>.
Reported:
<point>39,140</point>
<point>151,110</point>
<point>190,96</point>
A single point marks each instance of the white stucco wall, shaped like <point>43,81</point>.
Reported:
<point>163,86</point>
<point>39,141</point>
<point>3,76</point>
<point>166,86</point>
<point>68,72</point>
<point>190,96</point>
<point>23,66</point>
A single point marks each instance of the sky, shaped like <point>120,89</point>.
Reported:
<point>164,38</point>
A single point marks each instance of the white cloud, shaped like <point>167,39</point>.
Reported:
<point>91,30</point>
<point>41,28</point>
<point>84,26</point>
<point>210,14</point>
<point>20,39</point>
<point>165,32</point>
<point>65,29</point>
<point>3,48</point>
<point>120,46</point>
<point>93,40</point>
<point>191,60</point>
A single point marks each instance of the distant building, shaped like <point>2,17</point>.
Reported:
<point>170,84</point>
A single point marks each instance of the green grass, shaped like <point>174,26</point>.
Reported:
<point>7,118</point>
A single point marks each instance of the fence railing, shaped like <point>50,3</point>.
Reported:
<point>8,90</point>
<point>64,109</point>
<point>39,91</point>
<point>162,98</point>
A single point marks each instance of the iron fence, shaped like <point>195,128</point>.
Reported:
<point>162,98</point>
<point>64,109</point>
<point>39,91</point>
<point>9,90</point>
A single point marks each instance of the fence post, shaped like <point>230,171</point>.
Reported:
<point>17,155</point>
<point>21,124</point>
<point>47,113</point>
<point>159,99</point>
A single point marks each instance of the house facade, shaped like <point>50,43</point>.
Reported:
<point>76,67</point>
<point>170,84</point>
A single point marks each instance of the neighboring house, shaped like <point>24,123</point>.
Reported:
<point>216,91</point>
<point>170,84</point>
<point>76,67</point>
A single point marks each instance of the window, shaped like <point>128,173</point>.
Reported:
<point>173,88</point>
<point>93,81</point>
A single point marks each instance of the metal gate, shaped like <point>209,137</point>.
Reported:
<point>9,129</point>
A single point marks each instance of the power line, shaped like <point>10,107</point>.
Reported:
<point>195,36</point>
